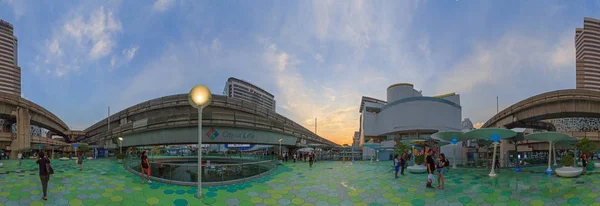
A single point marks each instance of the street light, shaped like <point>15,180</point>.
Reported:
<point>120,144</point>
<point>199,97</point>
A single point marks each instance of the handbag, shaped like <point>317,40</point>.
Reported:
<point>49,169</point>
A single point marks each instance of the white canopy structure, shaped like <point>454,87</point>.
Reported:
<point>550,137</point>
<point>453,137</point>
<point>494,134</point>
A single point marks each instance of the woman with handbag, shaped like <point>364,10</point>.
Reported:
<point>45,171</point>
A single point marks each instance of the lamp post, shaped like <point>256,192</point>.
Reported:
<point>199,97</point>
<point>120,144</point>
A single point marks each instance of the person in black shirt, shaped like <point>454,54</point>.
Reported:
<point>145,167</point>
<point>430,168</point>
<point>42,161</point>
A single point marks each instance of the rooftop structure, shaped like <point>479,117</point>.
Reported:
<point>10,72</point>
<point>587,56</point>
<point>247,91</point>
<point>407,113</point>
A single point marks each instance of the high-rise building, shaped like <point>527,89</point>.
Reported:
<point>245,90</point>
<point>587,47</point>
<point>10,72</point>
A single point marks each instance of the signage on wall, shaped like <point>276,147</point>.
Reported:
<point>213,134</point>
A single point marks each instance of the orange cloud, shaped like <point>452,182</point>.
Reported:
<point>478,125</point>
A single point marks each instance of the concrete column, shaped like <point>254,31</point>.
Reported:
<point>23,140</point>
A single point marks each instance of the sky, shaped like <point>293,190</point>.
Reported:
<point>317,57</point>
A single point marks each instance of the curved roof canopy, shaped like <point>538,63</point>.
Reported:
<point>494,134</point>
<point>450,136</point>
<point>549,137</point>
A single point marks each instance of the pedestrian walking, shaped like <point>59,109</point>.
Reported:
<point>442,164</point>
<point>20,157</point>
<point>430,168</point>
<point>402,163</point>
<point>80,161</point>
<point>46,170</point>
<point>396,166</point>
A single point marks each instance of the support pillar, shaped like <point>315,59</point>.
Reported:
<point>23,136</point>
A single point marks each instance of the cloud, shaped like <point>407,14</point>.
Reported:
<point>126,56</point>
<point>162,5</point>
<point>502,62</point>
<point>19,7</point>
<point>366,52</point>
<point>215,45</point>
<point>130,52</point>
<point>88,36</point>
<point>478,125</point>
<point>319,58</point>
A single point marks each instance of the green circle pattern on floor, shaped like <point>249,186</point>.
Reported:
<point>104,182</point>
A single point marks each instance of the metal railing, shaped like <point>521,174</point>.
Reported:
<point>182,168</point>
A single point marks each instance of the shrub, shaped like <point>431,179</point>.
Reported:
<point>419,159</point>
<point>567,160</point>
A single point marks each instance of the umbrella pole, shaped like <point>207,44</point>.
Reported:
<point>554,153</point>
<point>549,170</point>
<point>454,162</point>
<point>493,173</point>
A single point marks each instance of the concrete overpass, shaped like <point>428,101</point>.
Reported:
<point>172,119</point>
<point>549,105</point>
<point>25,113</point>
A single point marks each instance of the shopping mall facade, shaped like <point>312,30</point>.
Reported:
<point>405,114</point>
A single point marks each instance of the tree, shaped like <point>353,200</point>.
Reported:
<point>585,145</point>
<point>402,148</point>
<point>83,148</point>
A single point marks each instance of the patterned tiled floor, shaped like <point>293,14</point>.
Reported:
<point>103,182</point>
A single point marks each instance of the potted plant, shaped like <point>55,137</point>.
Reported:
<point>567,160</point>
<point>120,157</point>
<point>280,158</point>
<point>419,160</point>
<point>418,167</point>
<point>567,170</point>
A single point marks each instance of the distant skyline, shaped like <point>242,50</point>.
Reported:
<point>317,57</point>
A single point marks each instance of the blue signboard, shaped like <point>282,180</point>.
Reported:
<point>39,146</point>
<point>352,148</point>
<point>75,145</point>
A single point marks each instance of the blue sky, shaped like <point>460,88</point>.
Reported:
<point>317,57</point>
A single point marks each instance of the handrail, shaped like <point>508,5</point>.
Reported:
<point>186,174</point>
<point>215,164</point>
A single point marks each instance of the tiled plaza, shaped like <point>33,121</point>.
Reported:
<point>104,182</point>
